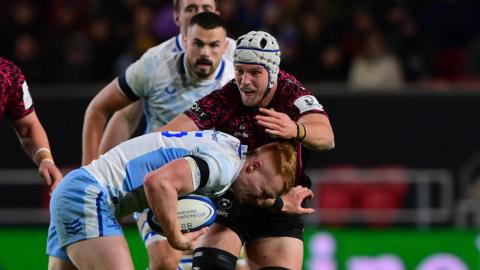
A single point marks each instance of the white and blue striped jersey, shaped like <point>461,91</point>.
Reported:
<point>161,79</point>
<point>122,169</point>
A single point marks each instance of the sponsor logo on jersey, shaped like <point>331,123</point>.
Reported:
<point>112,222</point>
<point>197,111</point>
<point>224,203</point>
<point>170,90</point>
<point>308,103</point>
<point>241,132</point>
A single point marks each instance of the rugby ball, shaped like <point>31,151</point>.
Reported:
<point>193,212</point>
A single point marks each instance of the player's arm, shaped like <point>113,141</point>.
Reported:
<point>34,141</point>
<point>313,130</point>
<point>180,123</point>
<point>121,126</point>
<point>107,101</point>
<point>317,132</point>
<point>162,188</point>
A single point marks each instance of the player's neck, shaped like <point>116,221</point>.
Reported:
<point>266,100</point>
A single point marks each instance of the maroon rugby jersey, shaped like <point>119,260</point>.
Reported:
<point>223,110</point>
<point>15,100</point>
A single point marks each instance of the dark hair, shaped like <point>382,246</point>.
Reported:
<point>207,20</point>
<point>176,5</point>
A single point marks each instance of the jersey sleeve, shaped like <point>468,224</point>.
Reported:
<point>19,103</point>
<point>216,172</point>
<point>135,81</point>
<point>210,111</point>
<point>300,100</point>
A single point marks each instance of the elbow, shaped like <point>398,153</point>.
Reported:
<point>322,144</point>
<point>151,183</point>
<point>155,184</point>
<point>329,142</point>
<point>327,145</point>
<point>330,145</point>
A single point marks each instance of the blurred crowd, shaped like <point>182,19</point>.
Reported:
<point>364,43</point>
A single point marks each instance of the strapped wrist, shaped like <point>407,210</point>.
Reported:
<point>301,132</point>
<point>278,204</point>
<point>42,154</point>
<point>46,159</point>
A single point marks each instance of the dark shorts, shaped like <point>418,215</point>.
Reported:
<point>252,222</point>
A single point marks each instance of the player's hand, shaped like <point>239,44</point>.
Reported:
<point>292,201</point>
<point>186,241</point>
<point>50,174</point>
<point>277,123</point>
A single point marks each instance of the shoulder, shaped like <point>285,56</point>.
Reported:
<point>228,92</point>
<point>229,72</point>
<point>153,66</point>
<point>10,74</point>
<point>170,46</point>
<point>296,96</point>
<point>289,86</point>
<point>231,45</point>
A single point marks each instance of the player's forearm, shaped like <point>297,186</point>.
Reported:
<point>34,141</point>
<point>180,123</point>
<point>92,133</point>
<point>162,199</point>
<point>33,138</point>
<point>118,130</point>
<point>316,136</point>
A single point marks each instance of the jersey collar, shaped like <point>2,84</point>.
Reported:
<point>178,43</point>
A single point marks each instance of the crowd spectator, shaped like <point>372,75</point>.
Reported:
<point>375,67</point>
<point>88,41</point>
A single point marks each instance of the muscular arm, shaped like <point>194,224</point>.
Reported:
<point>180,123</point>
<point>106,102</point>
<point>121,126</point>
<point>319,134</point>
<point>162,188</point>
<point>32,137</point>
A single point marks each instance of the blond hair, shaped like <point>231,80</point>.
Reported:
<point>284,157</point>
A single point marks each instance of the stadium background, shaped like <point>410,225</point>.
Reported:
<point>400,191</point>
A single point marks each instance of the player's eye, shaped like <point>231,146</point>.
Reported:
<point>207,9</point>
<point>198,44</point>
<point>191,9</point>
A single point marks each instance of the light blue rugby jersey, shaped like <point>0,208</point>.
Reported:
<point>122,169</point>
<point>161,79</point>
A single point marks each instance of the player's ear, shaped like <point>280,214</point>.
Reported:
<point>253,166</point>
<point>176,18</point>
<point>225,42</point>
<point>184,39</point>
<point>256,165</point>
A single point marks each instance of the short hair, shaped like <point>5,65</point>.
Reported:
<point>176,5</point>
<point>207,20</point>
<point>284,157</point>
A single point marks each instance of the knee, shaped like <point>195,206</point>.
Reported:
<point>55,263</point>
<point>273,268</point>
<point>206,258</point>
<point>162,256</point>
<point>163,263</point>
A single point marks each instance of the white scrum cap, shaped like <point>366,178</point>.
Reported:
<point>261,48</point>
